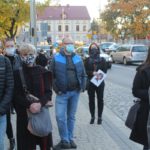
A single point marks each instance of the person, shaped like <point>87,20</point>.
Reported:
<point>38,81</point>
<point>141,84</point>
<point>10,53</point>
<point>41,59</point>
<point>6,92</point>
<point>69,78</point>
<point>92,64</point>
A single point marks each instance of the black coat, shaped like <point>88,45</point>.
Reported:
<point>140,90</point>
<point>6,84</point>
<point>38,81</point>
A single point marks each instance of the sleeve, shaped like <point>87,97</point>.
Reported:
<point>89,72</point>
<point>104,66</point>
<point>19,95</point>
<point>137,90</point>
<point>9,86</point>
<point>47,78</point>
<point>84,77</point>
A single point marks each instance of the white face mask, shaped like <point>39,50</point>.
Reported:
<point>10,51</point>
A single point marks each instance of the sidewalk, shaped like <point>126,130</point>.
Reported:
<point>111,135</point>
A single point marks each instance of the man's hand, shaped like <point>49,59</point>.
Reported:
<point>35,107</point>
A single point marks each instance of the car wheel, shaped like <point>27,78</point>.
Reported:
<point>125,61</point>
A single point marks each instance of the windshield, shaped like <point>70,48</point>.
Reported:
<point>140,49</point>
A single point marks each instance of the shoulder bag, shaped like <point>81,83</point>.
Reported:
<point>39,124</point>
<point>131,117</point>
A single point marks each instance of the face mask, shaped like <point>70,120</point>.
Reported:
<point>29,59</point>
<point>94,52</point>
<point>70,48</point>
<point>10,51</point>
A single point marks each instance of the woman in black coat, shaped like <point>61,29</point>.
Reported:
<point>38,81</point>
<point>92,64</point>
<point>140,88</point>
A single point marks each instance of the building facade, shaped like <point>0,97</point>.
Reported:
<point>57,22</point>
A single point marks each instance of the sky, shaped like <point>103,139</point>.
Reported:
<point>93,6</point>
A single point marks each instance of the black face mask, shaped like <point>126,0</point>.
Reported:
<point>94,52</point>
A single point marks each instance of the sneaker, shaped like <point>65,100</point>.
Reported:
<point>12,143</point>
<point>73,144</point>
<point>62,145</point>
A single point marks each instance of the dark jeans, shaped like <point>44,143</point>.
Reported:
<point>9,129</point>
<point>92,89</point>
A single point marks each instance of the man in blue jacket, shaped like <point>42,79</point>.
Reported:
<point>69,78</point>
<point>6,91</point>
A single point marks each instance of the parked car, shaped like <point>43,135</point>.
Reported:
<point>84,53</point>
<point>129,53</point>
<point>113,47</point>
<point>105,46</point>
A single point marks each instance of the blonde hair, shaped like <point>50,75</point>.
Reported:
<point>27,48</point>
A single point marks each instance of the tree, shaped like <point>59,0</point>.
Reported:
<point>14,14</point>
<point>132,16</point>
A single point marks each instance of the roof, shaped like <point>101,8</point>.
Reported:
<point>70,13</point>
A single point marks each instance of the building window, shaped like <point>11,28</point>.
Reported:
<point>59,28</point>
<point>66,28</point>
<point>77,27</point>
<point>84,28</point>
<point>49,28</point>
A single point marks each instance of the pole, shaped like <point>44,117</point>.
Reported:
<point>33,23</point>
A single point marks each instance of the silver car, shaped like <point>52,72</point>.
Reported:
<point>129,53</point>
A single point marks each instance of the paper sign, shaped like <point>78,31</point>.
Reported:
<point>98,78</point>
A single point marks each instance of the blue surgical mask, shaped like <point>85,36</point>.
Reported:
<point>70,48</point>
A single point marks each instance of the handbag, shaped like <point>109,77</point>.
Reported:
<point>39,124</point>
<point>131,117</point>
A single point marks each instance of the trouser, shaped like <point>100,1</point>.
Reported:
<point>2,131</point>
<point>9,129</point>
<point>92,89</point>
<point>66,106</point>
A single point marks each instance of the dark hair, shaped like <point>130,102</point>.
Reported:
<point>98,52</point>
<point>146,63</point>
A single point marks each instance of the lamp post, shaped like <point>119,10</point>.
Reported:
<point>33,34</point>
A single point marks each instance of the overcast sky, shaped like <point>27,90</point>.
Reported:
<point>93,6</point>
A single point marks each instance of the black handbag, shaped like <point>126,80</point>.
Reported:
<point>131,117</point>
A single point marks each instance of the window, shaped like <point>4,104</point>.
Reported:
<point>84,28</point>
<point>77,27</point>
<point>66,28</point>
<point>59,28</point>
<point>49,28</point>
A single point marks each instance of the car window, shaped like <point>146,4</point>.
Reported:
<point>139,49</point>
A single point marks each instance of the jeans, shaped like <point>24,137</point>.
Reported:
<point>66,106</point>
<point>2,131</point>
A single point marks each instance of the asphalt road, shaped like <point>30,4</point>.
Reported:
<point>121,75</point>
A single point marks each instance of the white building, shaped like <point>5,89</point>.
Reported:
<point>57,22</point>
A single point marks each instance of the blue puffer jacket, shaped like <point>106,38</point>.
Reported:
<point>58,68</point>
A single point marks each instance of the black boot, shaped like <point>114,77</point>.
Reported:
<point>12,143</point>
<point>92,120</point>
<point>99,120</point>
